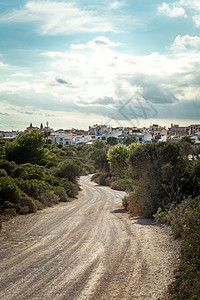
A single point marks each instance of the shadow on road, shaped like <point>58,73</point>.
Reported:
<point>120,211</point>
<point>142,221</point>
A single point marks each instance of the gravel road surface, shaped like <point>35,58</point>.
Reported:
<point>86,249</point>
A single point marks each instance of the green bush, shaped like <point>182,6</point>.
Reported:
<point>8,204</point>
<point>61,193</point>
<point>70,188</point>
<point>7,165</point>
<point>9,191</point>
<point>34,187</point>
<point>10,212</point>
<point>48,198</point>
<point>69,169</point>
<point>3,173</point>
<point>101,178</point>
<point>121,185</point>
<point>87,169</point>
<point>185,222</point>
<point>26,201</point>
<point>20,171</point>
<point>23,210</point>
<point>137,202</point>
<point>39,205</point>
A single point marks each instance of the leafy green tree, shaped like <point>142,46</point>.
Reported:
<point>9,191</point>
<point>28,147</point>
<point>70,188</point>
<point>186,148</point>
<point>187,139</point>
<point>8,166</point>
<point>129,140</point>
<point>98,144</point>
<point>117,156</point>
<point>160,175</point>
<point>112,140</point>
<point>70,169</point>
<point>99,159</point>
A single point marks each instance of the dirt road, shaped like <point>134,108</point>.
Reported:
<point>85,249</point>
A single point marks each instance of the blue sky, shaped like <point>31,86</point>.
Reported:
<point>75,63</point>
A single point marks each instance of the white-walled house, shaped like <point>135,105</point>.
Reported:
<point>144,138</point>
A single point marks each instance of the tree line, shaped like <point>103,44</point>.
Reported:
<point>35,175</point>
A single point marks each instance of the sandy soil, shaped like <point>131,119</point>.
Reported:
<point>85,249</point>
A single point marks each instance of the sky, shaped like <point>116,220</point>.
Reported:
<point>78,63</point>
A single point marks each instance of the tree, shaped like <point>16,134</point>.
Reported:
<point>98,144</point>
<point>70,169</point>
<point>111,140</point>
<point>9,191</point>
<point>27,148</point>
<point>129,140</point>
<point>186,139</point>
<point>117,157</point>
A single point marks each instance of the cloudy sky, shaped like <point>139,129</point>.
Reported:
<point>75,63</point>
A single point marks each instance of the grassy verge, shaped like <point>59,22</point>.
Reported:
<point>185,222</point>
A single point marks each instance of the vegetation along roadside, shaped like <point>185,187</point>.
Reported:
<point>162,183</point>
<point>159,179</point>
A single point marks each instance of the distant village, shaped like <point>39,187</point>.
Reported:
<point>154,133</point>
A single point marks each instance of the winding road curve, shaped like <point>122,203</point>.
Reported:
<point>85,249</point>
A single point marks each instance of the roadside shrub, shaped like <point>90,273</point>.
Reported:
<point>70,188</point>
<point>138,203</point>
<point>161,217</point>
<point>10,212</point>
<point>121,185</point>
<point>88,169</point>
<point>8,190</point>
<point>20,171</point>
<point>101,178</point>
<point>39,205</point>
<point>48,198</point>
<point>95,177</point>
<point>29,171</point>
<point>8,204</point>
<point>69,169</point>
<point>34,187</point>
<point>26,201</point>
<point>125,202</point>
<point>61,193</point>
<point>7,165</point>
<point>23,210</point>
<point>3,173</point>
<point>185,222</point>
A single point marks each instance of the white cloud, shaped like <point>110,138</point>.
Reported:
<point>116,4</point>
<point>58,18</point>
<point>196,20</point>
<point>21,75</point>
<point>181,42</point>
<point>175,11</point>
<point>100,42</point>
<point>159,78</point>
<point>185,8</point>
<point>109,75</point>
<point>193,4</point>
<point>2,65</point>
